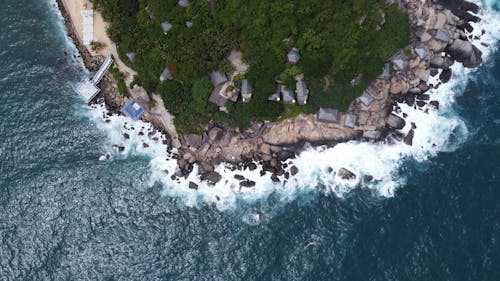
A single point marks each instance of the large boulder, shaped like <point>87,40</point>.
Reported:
<point>441,62</point>
<point>395,122</point>
<point>466,53</point>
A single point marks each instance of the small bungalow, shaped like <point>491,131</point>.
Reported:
<point>166,75</point>
<point>217,97</point>
<point>293,56</point>
<point>246,90</point>
<point>218,78</point>
<point>133,110</point>
<point>366,99</point>
<point>287,95</point>
<point>302,92</point>
<point>350,120</point>
<point>328,115</point>
<point>183,3</point>
<point>276,95</point>
<point>189,23</point>
<point>386,72</point>
<point>130,56</point>
<point>166,26</point>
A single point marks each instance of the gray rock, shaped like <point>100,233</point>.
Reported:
<point>275,178</point>
<point>395,122</point>
<point>193,141</point>
<point>247,183</point>
<point>212,177</point>
<point>239,177</point>
<point>434,103</point>
<point>215,134</point>
<point>193,185</point>
<point>408,139</point>
<point>466,53</point>
<point>443,35</point>
<point>441,62</point>
<point>445,76</point>
<point>422,51</point>
<point>346,174</point>
<point>400,61</point>
<point>294,170</point>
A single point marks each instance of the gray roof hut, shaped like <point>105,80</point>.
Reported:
<point>183,3</point>
<point>328,115</point>
<point>302,92</point>
<point>217,98</point>
<point>276,95</point>
<point>166,26</point>
<point>246,91</point>
<point>218,78</point>
<point>293,56</point>
<point>350,120</point>
<point>287,95</point>
<point>130,56</point>
<point>189,23</point>
<point>366,99</point>
<point>166,75</point>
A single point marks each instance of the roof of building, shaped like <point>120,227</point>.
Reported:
<point>302,92</point>
<point>329,115</point>
<point>217,98</point>
<point>288,97</point>
<point>130,56</point>
<point>366,99</point>
<point>218,78</point>
<point>166,26</point>
<point>246,90</point>
<point>166,74</point>
<point>350,120</point>
<point>276,95</point>
<point>400,61</point>
<point>133,110</point>
<point>189,23</point>
<point>294,55</point>
<point>386,71</point>
<point>183,3</point>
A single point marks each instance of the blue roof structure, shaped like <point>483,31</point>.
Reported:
<point>133,110</point>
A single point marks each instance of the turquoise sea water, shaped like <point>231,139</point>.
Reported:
<point>65,215</point>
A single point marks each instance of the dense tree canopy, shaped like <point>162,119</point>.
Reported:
<point>334,48</point>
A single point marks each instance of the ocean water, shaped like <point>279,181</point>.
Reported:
<point>432,211</point>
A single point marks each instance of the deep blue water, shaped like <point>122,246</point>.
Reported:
<point>64,215</point>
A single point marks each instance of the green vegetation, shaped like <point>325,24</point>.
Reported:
<point>333,47</point>
<point>122,87</point>
<point>96,46</point>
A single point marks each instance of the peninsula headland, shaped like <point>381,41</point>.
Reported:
<point>242,82</point>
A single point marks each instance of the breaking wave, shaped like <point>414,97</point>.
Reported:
<point>377,166</point>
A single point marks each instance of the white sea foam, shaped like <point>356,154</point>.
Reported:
<point>437,131</point>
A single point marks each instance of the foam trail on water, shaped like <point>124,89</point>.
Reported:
<point>376,165</point>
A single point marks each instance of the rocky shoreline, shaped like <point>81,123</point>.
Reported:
<point>439,37</point>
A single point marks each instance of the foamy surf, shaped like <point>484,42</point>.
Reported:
<point>376,165</point>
